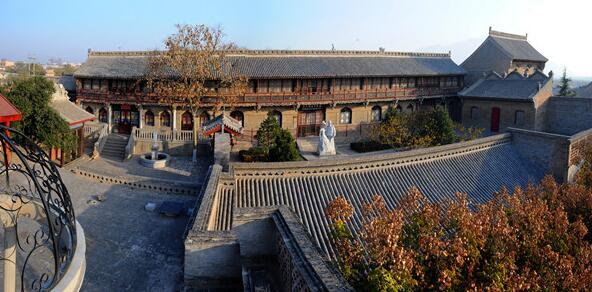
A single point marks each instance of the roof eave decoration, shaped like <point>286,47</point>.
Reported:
<point>231,125</point>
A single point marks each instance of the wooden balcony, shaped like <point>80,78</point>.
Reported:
<point>283,98</point>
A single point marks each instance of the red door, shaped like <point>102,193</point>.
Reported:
<point>495,119</point>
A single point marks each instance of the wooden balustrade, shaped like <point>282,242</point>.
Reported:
<point>284,97</point>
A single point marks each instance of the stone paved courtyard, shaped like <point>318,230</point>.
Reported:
<point>180,168</point>
<point>127,248</point>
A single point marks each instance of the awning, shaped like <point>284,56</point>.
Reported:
<point>8,112</point>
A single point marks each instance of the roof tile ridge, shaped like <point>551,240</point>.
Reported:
<point>337,53</point>
<point>501,34</point>
<point>247,52</point>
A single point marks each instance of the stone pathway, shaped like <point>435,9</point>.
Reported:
<point>128,248</point>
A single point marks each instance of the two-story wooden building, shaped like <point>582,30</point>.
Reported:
<point>300,88</point>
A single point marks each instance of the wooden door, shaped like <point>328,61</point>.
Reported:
<point>495,119</point>
<point>309,122</point>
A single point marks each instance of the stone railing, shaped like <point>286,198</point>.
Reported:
<point>147,134</point>
<point>129,148</point>
<point>101,138</point>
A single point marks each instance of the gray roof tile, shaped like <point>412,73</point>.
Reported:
<point>290,64</point>
<point>513,87</point>
<point>479,168</point>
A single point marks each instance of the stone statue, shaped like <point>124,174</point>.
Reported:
<point>327,139</point>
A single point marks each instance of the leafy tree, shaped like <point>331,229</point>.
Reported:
<point>440,127</point>
<point>65,70</point>
<point>392,130</point>
<point>39,121</point>
<point>27,69</point>
<point>564,85</point>
<point>194,66</point>
<point>267,133</point>
<point>284,148</point>
<point>529,239</point>
<point>417,129</point>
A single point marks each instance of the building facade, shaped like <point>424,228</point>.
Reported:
<point>506,85</point>
<point>299,88</point>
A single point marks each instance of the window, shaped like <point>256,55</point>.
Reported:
<point>96,84</point>
<point>411,82</point>
<point>86,83</point>
<point>474,113</point>
<point>519,118</point>
<point>165,119</point>
<point>361,83</point>
<point>345,117</point>
<point>376,114</point>
<point>89,110</point>
<point>294,84</point>
<point>203,119</point>
<point>149,118</point>
<point>238,115</point>
<point>187,121</point>
<point>410,108</point>
<point>253,86</point>
<point>278,116</point>
<point>103,116</point>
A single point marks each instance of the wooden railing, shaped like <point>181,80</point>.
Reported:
<point>283,97</point>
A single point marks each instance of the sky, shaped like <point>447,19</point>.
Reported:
<point>560,30</point>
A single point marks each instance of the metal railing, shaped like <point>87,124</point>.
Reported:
<point>42,247</point>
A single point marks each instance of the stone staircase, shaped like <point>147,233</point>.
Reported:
<point>115,147</point>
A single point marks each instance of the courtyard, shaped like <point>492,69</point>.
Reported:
<point>129,248</point>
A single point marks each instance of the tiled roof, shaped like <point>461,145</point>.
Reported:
<point>517,47</point>
<point>514,86</point>
<point>70,112</point>
<point>289,64</point>
<point>479,168</point>
<point>8,112</point>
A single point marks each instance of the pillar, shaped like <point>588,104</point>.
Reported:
<point>141,113</point>
<point>109,117</point>
<point>174,123</point>
<point>9,257</point>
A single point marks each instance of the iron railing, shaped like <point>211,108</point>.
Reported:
<point>37,215</point>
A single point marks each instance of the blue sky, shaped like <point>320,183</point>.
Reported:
<point>66,29</point>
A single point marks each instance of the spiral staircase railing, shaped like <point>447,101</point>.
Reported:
<point>39,225</point>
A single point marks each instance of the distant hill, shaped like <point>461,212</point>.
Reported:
<point>585,91</point>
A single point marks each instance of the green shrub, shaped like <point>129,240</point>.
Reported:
<point>284,148</point>
<point>267,133</point>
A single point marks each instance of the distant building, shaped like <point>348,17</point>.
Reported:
<point>7,63</point>
<point>507,87</point>
<point>503,53</point>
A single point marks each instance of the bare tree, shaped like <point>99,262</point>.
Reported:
<point>194,71</point>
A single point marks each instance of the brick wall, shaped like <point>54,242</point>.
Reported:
<point>549,152</point>
<point>568,115</point>
<point>507,113</point>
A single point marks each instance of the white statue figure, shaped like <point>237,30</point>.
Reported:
<point>326,139</point>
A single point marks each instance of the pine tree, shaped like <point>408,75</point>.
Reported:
<point>564,86</point>
<point>267,133</point>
